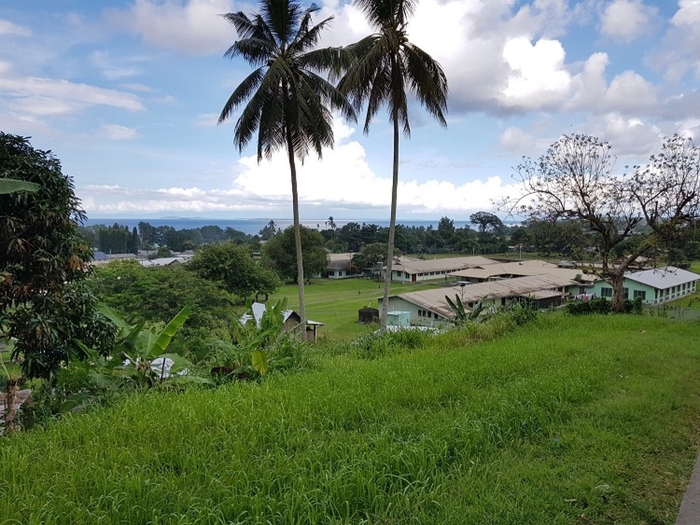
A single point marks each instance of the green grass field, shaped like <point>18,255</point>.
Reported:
<point>336,303</point>
<point>569,420</point>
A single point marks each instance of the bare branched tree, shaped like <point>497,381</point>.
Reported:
<point>574,180</point>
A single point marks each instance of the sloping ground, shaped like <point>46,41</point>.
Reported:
<point>574,420</point>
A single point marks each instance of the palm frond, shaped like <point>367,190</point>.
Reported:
<point>282,18</point>
<point>305,20</point>
<point>427,80</point>
<point>255,51</point>
<point>308,38</point>
<point>383,13</point>
<point>242,92</point>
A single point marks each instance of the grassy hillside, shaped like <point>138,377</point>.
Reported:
<point>571,420</point>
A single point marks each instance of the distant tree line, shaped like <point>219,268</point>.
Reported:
<point>118,239</point>
<point>568,239</point>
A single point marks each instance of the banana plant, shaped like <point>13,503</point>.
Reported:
<point>247,356</point>
<point>140,353</point>
<point>461,314</point>
<point>14,185</point>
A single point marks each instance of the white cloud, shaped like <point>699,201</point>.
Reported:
<point>632,139</point>
<point>117,132</point>
<point>627,20</point>
<point>516,140</point>
<point>537,77</point>
<point>688,14</point>
<point>193,27</point>
<point>207,120</point>
<point>115,68</point>
<point>43,96</point>
<point>9,28</point>
<point>260,187</point>
<point>137,87</point>
<point>628,92</point>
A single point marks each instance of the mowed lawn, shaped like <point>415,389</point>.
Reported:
<point>336,303</point>
<point>571,420</point>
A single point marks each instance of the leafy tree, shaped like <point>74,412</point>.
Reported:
<point>231,265</point>
<point>349,234</point>
<point>446,230</point>
<point>211,234</point>
<point>565,238</point>
<point>233,234</point>
<point>279,253</point>
<point>371,255</point>
<point>575,180</point>
<point>115,239</point>
<point>289,104</point>
<point>268,231</point>
<point>147,235</point>
<point>43,253</point>
<point>485,221</point>
<point>386,66</point>
<point>156,295</point>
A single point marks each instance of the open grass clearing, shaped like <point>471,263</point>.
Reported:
<point>571,420</point>
<point>336,303</point>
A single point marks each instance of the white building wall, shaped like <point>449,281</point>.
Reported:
<point>401,305</point>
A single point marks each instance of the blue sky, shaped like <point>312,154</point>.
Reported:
<point>127,94</point>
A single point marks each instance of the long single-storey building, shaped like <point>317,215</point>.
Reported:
<point>412,270</point>
<point>498,271</point>
<point>654,286</point>
<point>430,308</point>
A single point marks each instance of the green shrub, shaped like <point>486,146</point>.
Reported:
<point>384,344</point>
<point>599,305</point>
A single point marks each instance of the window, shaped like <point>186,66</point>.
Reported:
<point>640,293</point>
<point>606,291</point>
<point>626,293</point>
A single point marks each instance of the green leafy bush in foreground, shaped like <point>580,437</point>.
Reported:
<point>571,420</point>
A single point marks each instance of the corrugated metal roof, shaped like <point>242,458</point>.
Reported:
<point>520,286</point>
<point>663,278</point>
<point>521,269</point>
<point>411,265</point>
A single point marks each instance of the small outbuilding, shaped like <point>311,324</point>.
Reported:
<point>368,315</point>
<point>292,320</point>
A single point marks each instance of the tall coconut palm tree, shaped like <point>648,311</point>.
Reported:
<point>386,67</point>
<point>288,103</point>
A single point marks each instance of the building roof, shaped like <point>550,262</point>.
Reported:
<point>163,261</point>
<point>663,278</point>
<point>339,261</point>
<point>448,264</point>
<point>535,286</point>
<point>521,269</point>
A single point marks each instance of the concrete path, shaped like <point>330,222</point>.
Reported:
<point>690,508</point>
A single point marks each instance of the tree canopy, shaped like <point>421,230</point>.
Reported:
<point>485,221</point>
<point>44,256</point>
<point>655,204</point>
<point>232,265</point>
<point>279,253</point>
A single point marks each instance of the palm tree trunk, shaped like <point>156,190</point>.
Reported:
<point>392,222</point>
<point>297,235</point>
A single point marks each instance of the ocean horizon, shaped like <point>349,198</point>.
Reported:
<point>253,226</point>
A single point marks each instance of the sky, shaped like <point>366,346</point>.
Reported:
<point>127,95</point>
